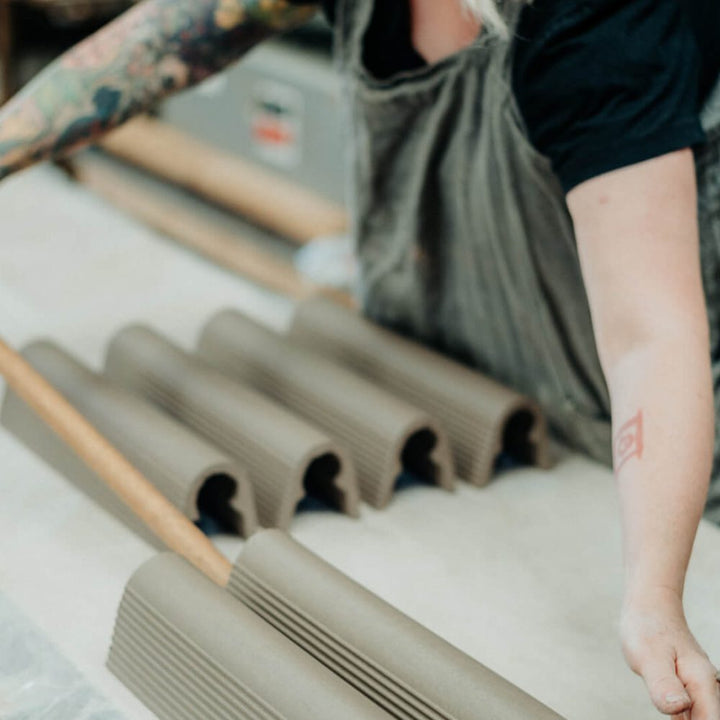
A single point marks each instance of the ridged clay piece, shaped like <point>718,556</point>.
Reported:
<point>482,417</point>
<point>195,476</point>
<point>188,650</point>
<point>407,670</point>
<point>286,458</point>
<point>385,435</point>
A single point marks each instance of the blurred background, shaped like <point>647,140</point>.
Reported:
<point>277,113</point>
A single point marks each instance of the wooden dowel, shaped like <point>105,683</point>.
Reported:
<point>220,245</point>
<point>267,199</point>
<point>160,516</point>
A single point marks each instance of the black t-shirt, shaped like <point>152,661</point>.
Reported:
<point>601,84</point>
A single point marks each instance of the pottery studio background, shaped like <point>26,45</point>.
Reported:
<point>210,334</point>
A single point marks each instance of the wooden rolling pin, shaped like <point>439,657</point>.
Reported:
<point>160,516</point>
<point>227,180</point>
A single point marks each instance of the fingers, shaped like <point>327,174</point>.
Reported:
<point>680,678</point>
<point>666,689</point>
<point>699,676</point>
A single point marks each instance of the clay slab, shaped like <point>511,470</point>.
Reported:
<point>386,435</point>
<point>194,475</point>
<point>188,650</point>
<point>481,417</point>
<point>285,457</point>
<point>403,667</point>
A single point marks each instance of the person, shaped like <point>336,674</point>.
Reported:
<point>536,190</point>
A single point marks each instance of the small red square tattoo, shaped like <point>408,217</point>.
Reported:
<point>629,441</point>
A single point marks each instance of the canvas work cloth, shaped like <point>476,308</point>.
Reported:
<point>463,234</point>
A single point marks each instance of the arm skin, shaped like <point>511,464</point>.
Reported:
<point>638,241</point>
<point>153,50</point>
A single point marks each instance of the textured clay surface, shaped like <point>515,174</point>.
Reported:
<point>399,664</point>
<point>189,651</point>
<point>482,418</point>
<point>194,475</point>
<point>386,435</point>
<point>286,458</point>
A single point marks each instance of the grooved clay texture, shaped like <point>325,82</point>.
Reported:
<point>385,434</point>
<point>179,463</point>
<point>284,455</point>
<point>481,417</point>
<point>407,670</point>
<point>189,651</point>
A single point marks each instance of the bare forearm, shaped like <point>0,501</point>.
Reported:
<point>153,50</point>
<point>663,424</point>
<point>638,240</point>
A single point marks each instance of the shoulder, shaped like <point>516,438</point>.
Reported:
<point>606,83</point>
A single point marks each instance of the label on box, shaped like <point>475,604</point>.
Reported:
<point>276,123</point>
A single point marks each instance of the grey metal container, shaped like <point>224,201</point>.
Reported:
<point>189,651</point>
<point>407,670</point>
<point>385,435</point>
<point>193,474</point>
<point>285,457</point>
<point>482,417</point>
<point>303,92</point>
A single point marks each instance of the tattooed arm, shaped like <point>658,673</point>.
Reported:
<point>637,236</point>
<point>153,50</point>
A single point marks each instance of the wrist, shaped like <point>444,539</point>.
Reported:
<point>649,597</point>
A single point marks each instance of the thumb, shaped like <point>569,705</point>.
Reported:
<point>665,687</point>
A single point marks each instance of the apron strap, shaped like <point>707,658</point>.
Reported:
<point>352,18</point>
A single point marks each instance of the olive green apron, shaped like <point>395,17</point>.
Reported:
<point>707,162</point>
<point>463,233</point>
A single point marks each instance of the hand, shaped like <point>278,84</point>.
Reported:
<point>659,646</point>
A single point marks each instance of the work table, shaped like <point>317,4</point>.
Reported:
<point>524,575</point>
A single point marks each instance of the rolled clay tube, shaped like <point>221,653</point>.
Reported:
<point>482,417</point>
<point>403,667</point>
<point>194,475</point>
<point>385,435</point>
<point>188,650</point>
<point>285,457</point>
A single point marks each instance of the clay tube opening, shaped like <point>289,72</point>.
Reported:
<point>213,504</point>
<point>417,456</point>
<point>319,484</point>
<point>517,443</point>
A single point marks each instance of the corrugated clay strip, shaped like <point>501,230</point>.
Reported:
<point>224,664</point>
<point>482,417</point>
<point>195,476</point>
<point>285,456</point>
<point>403,667</point>
<point>189,651</point>
<point>385,434</point>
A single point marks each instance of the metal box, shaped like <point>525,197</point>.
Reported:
<point>280,107</point>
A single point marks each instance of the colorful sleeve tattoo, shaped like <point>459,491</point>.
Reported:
<point>153,50</point>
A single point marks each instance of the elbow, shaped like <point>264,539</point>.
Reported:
<point>665,333</point>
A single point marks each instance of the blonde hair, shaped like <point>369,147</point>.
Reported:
<point>487,11</point>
